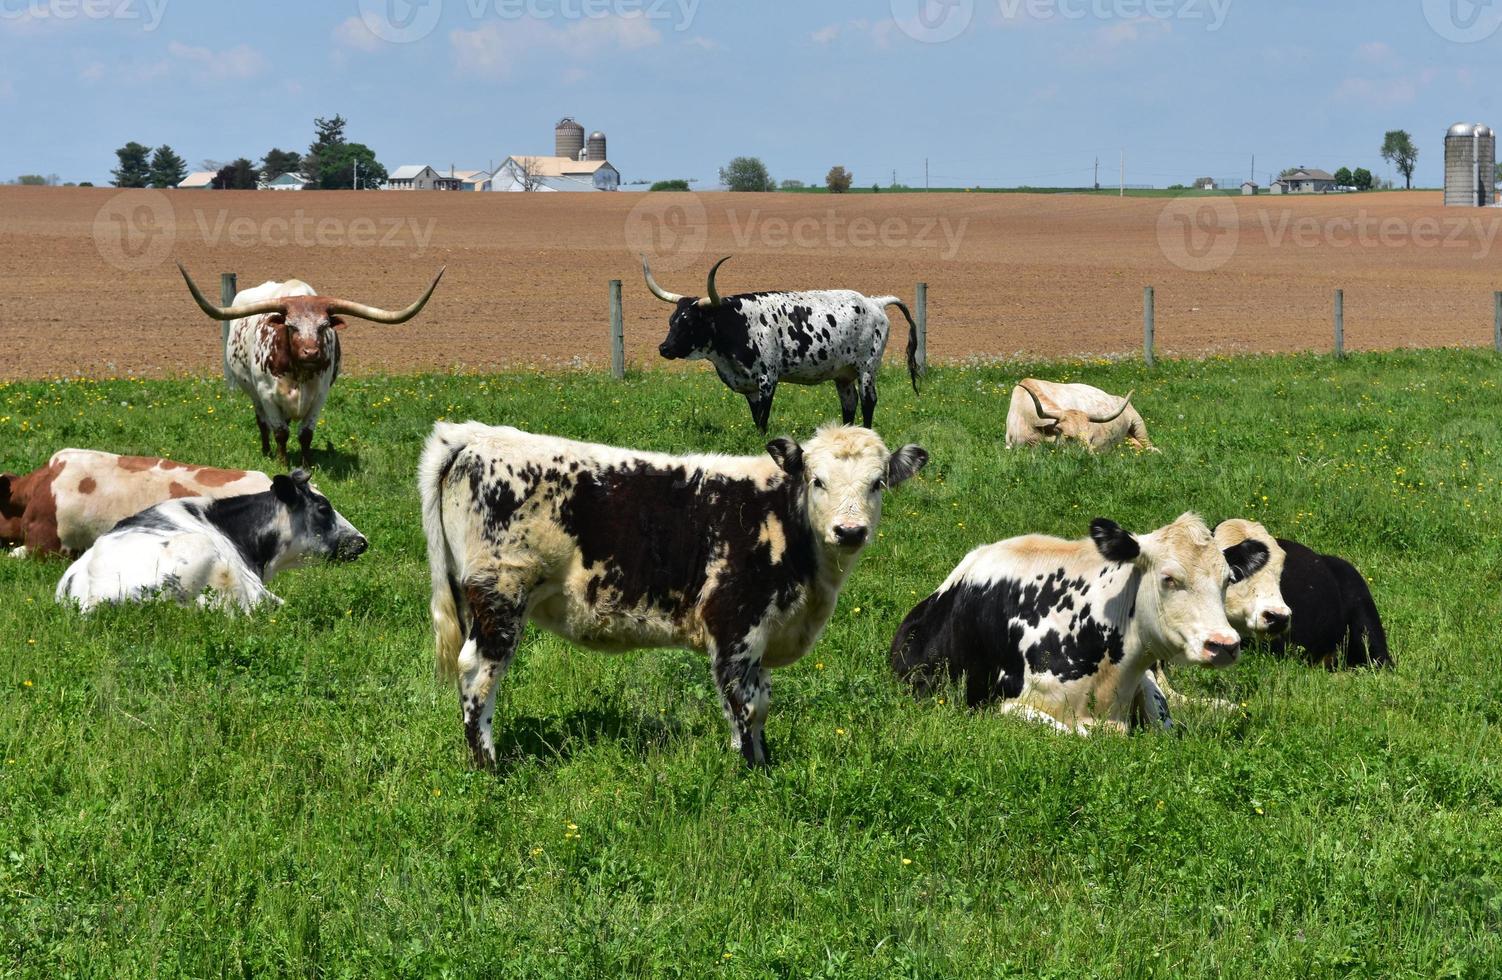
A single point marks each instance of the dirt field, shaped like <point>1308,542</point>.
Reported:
<point>87,283</point>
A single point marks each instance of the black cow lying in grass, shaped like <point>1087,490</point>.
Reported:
<point>1335,620</point>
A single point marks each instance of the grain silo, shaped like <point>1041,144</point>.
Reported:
<point>597,146</point>
<point>1470,166</point>
<point>568,138</point>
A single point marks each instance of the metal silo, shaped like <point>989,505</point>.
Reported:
<point>597,146</point>
<point>568,138</point>
<point>1470,166</point>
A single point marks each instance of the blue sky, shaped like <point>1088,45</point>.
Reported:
<point>991,92</point>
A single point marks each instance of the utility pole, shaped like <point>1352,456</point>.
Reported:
<point>1097,172</point>
<point>357,174</point>
<point>1123,171</point>
<point>925,173</point>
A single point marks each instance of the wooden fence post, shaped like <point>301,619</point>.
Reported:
<point>617,332</point>
<point>228,287</point>
<point>920,318</point>
<point>1149,325</point>
<point>1497,327</point>
<point>1340,323</point>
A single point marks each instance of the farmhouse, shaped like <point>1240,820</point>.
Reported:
<point>555,174</point>
<point>286,182</point>
<point>198,180</point>
<point>472,180</point>
<point>413,177</point>
<point>1305,180</point>
<point>1250,188</point>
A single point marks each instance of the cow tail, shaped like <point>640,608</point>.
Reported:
<point>912,339</point>
<point>439,454</point>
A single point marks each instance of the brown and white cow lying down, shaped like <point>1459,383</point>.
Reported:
<point>1066,633</point>
<point>82,493</point>
<point>740,558</point>
<point>1048,411</point>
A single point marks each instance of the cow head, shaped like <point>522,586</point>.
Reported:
<point>1255,605</point>
<point>842,472</point>
<point>694,322</point>
<point>1182,577</point>
<point>1073,425</point>
<point>314,529</point>
<point>305,325</point>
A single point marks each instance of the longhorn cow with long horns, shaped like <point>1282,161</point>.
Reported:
<point>755,340</point>
<point>282,349</point>
<point>1048,411</point>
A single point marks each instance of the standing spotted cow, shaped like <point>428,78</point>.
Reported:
<point>282,349</point>
<point>740,558</point>
<point>755,340</point>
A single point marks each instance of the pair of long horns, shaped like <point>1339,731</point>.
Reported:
<point>336,307</point>
<point>711,296</point>
<point>1038,405</point>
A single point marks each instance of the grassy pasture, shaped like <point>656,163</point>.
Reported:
<point>289,794</point>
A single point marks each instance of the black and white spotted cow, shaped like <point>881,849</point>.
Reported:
<point>740,558</point>
<point>756,340</point>
<point>219,553</point>
<point>1066,632</point>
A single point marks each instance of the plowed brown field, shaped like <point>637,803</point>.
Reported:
<point>87,283</point>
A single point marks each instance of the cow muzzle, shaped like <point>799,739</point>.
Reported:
<point>1221,651</point>
<point>851,535</point>
<point>352,548</point>
<point>1275,622</point>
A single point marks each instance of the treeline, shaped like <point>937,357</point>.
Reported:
<point>331,163</point>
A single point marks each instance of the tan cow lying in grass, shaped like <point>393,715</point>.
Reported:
<point>1048,411</point>
<point>81,494</point>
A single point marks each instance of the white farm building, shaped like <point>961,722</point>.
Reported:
<point>555,174</point>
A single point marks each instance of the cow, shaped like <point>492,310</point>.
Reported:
<point>282,350</point>
<point>219,553</point>
<point>755,340</point>
<point>739,558</point>
<point>1335,619</point>
<point>80,494</point>
<point>1047,411</point>
<point>1065,633</point>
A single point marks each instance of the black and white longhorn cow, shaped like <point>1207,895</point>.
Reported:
<point>755,340</point>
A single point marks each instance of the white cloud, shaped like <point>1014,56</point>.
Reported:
<point>1129,32</point>
<point>1375,53</point>
<point>496,49</point>
<point>1383,93</point>
<point>128,73</point>
<point>352,33</point>
<point>703,43</point>
<point>826,35</point>
<point>241,61</point>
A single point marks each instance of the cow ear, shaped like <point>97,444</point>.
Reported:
<point>300,475</point>
<point>1246,559</point>
<point>788,454</point>
<point>337,323</point>
<point>285,488</point>
<point>905,463</point>
<point>1113,541</point>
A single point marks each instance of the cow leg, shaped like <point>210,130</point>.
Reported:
<point>849,395</point>
<point>1028,713</point>
<point>265,435</point>
<point>305,442</point>
<point>868,399</point>
<point>745,693</point>
<point>499,618</point>
<point>282,432</point>
<point>761,407</point>
<point>1159,677</point>
<point>1150,707</point>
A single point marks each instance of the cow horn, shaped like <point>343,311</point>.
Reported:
<point>657,290</point>
<point>1126,403</point>
<point>377,315</point>
<point>231,312</point>
<point>1038,405</point>
<point>711,297</point>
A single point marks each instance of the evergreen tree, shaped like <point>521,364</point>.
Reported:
<point>167,168</point>
<point>134,169</point>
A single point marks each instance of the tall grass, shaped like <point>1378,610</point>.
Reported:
<point>289,794</point>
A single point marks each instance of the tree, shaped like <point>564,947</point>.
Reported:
<point>1362,178</point>
<point>1344,177</point>
<point>793,185</point>
<point>1498,177</point>
<point>338,168</point>
<point>1398,149</point>
<point>529,174</point>
<point>241,175</point>
<point>838,180</point>
<point>670,185</point>
<point>32,180</point>
<point>746,174</point>
<point>277,162</point>
<point>329,135</point>
<point>167,168</point>
<point>134,171</point>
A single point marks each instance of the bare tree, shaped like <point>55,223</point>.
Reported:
<point>529,172</point>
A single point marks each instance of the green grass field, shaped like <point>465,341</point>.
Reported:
<point>289,794</point>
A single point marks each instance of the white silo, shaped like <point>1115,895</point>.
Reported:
<point>1470,166</point>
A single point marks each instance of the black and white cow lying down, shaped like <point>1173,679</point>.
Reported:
<point>219,553</point>
<point>755,340</point>
<point>1335,620</point>
<point>741,558</point>
<point>1066,632</point>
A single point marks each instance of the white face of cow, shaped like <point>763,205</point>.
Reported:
<point>844,470</point>
<point>1255,605</point>
<point>1181,592</point>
